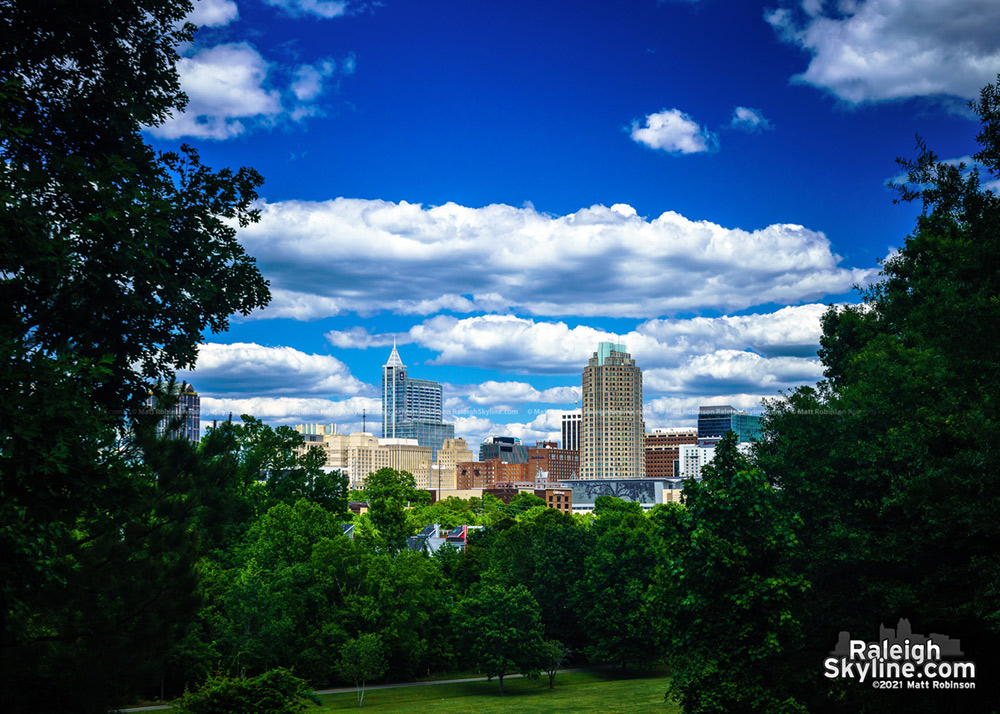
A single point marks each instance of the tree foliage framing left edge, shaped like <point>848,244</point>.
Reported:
<point>114,261</point>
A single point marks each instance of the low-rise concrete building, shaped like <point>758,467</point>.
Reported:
<point>361,453</point>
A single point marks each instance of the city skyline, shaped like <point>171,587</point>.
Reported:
<point>499,189</point>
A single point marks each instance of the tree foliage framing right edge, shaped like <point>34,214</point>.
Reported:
<point>891,462</point>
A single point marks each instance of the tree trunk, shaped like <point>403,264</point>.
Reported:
<point>501,683</point>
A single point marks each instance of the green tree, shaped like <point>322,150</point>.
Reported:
<point>402,598</point>
<point>728,584</point>
<point>891,460</point>
<point>554,657</point>
<point>547,555</point>
<point>273,465</point>
<point>523,502</point>
<point>389,493</point>
<point>501,632</point>
<point>271,608</point>
<point>362,658</point>
<point>615,596</point>
<point>114,262</point>
<point>449,513</point>
<point>276,691</point>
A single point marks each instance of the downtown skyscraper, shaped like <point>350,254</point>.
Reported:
<point>613,433</point>
<point>412,408</point>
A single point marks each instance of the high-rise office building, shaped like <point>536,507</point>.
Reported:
<point>184,413</point>
<point>613,433</point>
<point>571,430</point>
<point>715,420</point>
<point>412,408</point>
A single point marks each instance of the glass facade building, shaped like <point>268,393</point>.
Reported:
<point>412,408</point>
<point>508,449</point>
<point>571,430</point>
<point>185,413</point>
<point>714,421</point>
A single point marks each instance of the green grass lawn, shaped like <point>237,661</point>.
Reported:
<point>575,692</point>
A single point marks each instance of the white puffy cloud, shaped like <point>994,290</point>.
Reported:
<point>225,89</point>
<point>725,371</point>
<point>675,132</point>
<point>320,8</point>
<point>347,413</point>
<point>359,338</point>
<point>309,79</point>
<point>366,256</point>
<point>510,343</point>
<point>242,368</point>
<point>213,13</point>
<point>527,346</point>
<point>491,392</point>
<point>792,330</point>
<point>889,49</point>
<point>685,362</point>
<point>544,426</point>
<point>751,120</point>
<point>683,411</point>
<point>231,88</point>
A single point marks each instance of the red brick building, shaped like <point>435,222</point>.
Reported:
<point>662,450</point>
<point>486,474</point>
<point>560,499</point>
<point>558,463</point>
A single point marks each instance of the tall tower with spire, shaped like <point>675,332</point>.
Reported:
<point>393,393</point>
<point>412,408</point>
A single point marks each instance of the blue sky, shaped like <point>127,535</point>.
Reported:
<point>500,186</point>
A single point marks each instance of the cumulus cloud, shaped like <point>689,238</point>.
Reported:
<point>527,346</point>
<point>751,120</point>
<point>675,132</point>
<point>793,331</point>
<point>545,426</point>
<point>366,256</point>
<point>725,371</point>
<point>685,362</point>
<point>320,8</point>
<point>309,79</point>
<point>886,49</point>
<point>493,393</point>
<point>213,13</point>
<point>683,411</point>
<point>225,89</point>
<point>360,338</point>
<point>243,367</point>
<point>231,89</point>
<point>347,413</point>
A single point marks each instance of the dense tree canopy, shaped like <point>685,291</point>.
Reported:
<point>727,583</point>
<point>114,262</point>
<point>891,461</point>
<point>501,632</point>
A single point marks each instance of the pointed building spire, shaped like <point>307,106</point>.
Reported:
<point>394,360</point>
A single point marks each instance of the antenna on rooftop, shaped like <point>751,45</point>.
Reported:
<point>364,413</point>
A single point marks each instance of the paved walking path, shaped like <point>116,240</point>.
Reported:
<point>344,690</point>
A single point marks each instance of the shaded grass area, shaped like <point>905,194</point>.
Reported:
<point>578,692</point>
